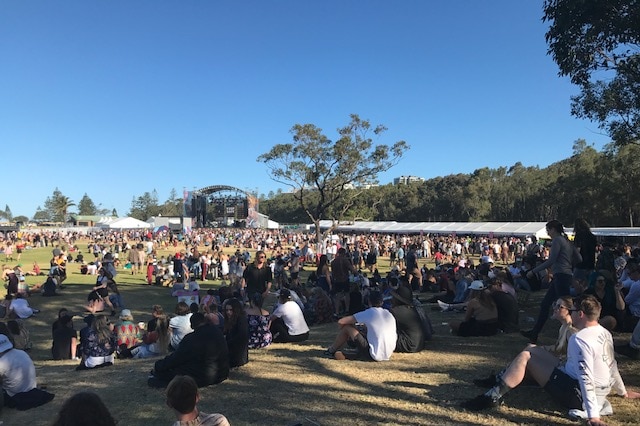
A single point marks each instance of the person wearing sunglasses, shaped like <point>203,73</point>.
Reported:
<point>257,277</point>
<point>582,383</point>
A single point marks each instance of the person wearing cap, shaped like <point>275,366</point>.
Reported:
<point>18,378</point>
<point>481,317</point>
<point>287,320</point>
<point>372,330</point>
<point>128,333</point>
<point>408,324</point>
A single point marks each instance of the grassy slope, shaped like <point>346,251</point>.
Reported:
<point>285,384</point>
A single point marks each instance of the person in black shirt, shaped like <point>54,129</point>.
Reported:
<point>257,277</point>
<point>408,325</point>
<point>507,305</point>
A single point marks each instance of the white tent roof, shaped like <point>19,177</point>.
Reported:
<point>461,228</point>
<point>124,223</point>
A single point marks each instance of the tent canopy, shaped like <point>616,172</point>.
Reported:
<point>462,228</point>
<point>124,223</point>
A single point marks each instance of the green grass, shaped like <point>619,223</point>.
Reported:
<point>284,384</point>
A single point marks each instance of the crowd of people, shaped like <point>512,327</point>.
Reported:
<point>376,315</point>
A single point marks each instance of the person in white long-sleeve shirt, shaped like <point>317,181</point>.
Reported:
<point>582,383</point>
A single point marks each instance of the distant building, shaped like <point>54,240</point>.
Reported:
<point>405,180</point>
<point>89,220</point>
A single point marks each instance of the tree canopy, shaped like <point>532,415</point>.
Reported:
<point>326,176</point>
<point>596,44</point>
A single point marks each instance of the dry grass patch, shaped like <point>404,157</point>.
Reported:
<point>288,384</point>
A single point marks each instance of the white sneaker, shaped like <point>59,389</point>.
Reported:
<point>605,410</point>
<point>443,306</point>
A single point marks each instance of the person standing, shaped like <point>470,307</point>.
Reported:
<point>585,242</point>
<point>341,267</point>
<point>257,277</point>
<point>561,263</point>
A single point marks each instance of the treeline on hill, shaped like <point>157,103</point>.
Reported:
<point>603,187</point>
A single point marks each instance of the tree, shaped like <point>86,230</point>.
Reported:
<point>145,206</point>
<point>7,213</point>
<point>21,218</point>
<point>174,205</point>
<point>596,43</point>
<point>57,206</point>
<point>326,176</point>
<point>86,206</point>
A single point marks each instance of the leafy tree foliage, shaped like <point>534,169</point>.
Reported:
<point>596,43</point>
<point>86,206</point>
<point>325,176</point>
<point>6,214</point>
<point>56,207</point>
<point>173,206</point>
<point>145,206</point>
<point>601,186</point>
<point>22,219</point>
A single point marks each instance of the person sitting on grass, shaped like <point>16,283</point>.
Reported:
<point>202,355</point>
<point>287,320</point>
<point>481,317</point>
<point>408,324</point>
<point>180,324</point>
<point>582,383</point>
<point>373,331</point>
<point>84,408</point>
<point>65,339</point>
<point>18,378</point>
<point>154,342</point>
<point>562,312</point>
<point>19,307</point>
<point>128,333</point>
<point>183,397</point>
<point>258,319</point>
<point>98,344</point>
<point>236,332</point>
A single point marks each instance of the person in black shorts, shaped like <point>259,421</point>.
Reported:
<point>582,383</point>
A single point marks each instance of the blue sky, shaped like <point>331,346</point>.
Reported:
<point>114,99</point>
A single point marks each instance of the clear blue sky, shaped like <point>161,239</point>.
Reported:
<point>114,99</point>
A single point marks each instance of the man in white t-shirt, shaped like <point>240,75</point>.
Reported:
<point>375,341</point>
<point>20,307</point>
<point>582,383</point>
<point>287,320</point>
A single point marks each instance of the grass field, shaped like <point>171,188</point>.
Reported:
<point>290,384</point>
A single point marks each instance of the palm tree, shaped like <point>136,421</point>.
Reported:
<point>61,207</point>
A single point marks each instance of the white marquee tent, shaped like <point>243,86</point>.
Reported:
<point>123,223</point>
<point>460,228</point>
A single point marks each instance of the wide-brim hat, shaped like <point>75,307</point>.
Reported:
<point>403,294</point>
